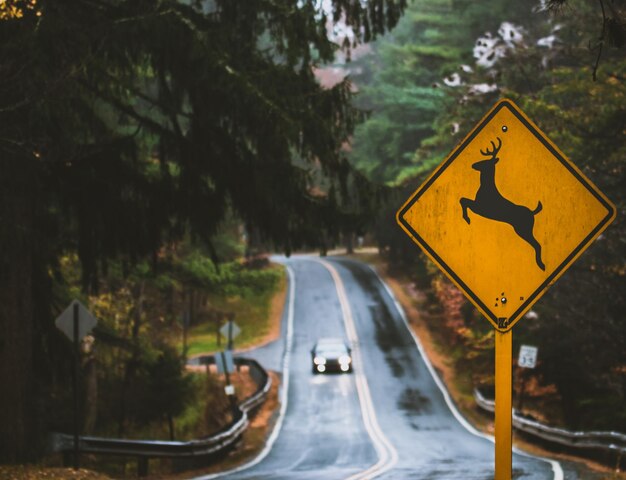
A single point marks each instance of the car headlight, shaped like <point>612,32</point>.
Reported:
<point>344,359</point>
<point>319,361</point>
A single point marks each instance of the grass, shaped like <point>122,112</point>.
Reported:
<point>253,313</point>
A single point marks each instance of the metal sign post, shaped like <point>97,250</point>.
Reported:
<point>75,384</point>
<point>230,330</point>
<point>225,364</point>
<point>504,418</point>
<point>504,216</point>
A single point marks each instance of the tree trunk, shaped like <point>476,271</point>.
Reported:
<point>18,412</point>
<point>170,422</point>
<point>91,394</point>
<point>133,361</point>
<point>349,243</point>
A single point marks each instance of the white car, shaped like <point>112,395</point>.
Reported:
<point>331,355</point>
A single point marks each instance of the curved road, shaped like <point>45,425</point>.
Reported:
<point>389,419</point>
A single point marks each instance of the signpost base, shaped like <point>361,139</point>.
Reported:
<point>504,387</point>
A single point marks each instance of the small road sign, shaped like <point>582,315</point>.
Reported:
<point>505,215</point>
<point>230,330</point>
<point>86,321</point>
<point>76,322</point>
<point>224,362</point>
<point>527,357</point>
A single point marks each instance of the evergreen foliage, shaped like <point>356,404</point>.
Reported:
<point>127,123</point>
<point>403,84</point>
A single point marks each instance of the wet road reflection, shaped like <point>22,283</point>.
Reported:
<point>326,434</point>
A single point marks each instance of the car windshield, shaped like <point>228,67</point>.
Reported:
<point>331,350</point>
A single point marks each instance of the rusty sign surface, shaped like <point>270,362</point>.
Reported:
<point>505,214</point>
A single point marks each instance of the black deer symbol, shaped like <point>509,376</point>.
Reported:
<point>490,203</point>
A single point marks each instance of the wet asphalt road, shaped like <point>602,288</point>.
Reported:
<point>389,412</point>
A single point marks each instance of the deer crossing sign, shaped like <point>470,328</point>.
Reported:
<point>505,215</point>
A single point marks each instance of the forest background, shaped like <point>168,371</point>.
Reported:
<point>143,141</point>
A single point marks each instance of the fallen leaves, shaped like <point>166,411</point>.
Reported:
<point>29,472</point>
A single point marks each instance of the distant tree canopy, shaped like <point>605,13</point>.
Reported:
<point>401,84</point>
<point>610,23</point>
<point>410,83</point>
<point>126,123</point>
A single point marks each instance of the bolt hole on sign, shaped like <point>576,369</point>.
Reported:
<point>505,214</point>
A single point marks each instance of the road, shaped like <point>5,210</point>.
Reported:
<point>389,419</point>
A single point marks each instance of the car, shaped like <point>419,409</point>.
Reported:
<point>331,355</point>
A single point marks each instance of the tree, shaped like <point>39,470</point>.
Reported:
<point>404,83</point>
<point>609,23</point>
<point>127,123</point>
<point>166,390</point>
<point>583,313</point>
<point>396,85</point>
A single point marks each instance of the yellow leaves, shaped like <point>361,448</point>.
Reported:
<point>534,388</point>
<point>617,269</point>
<point>115,308</point>
<point>14,9</point>
<point>69,260</point>
<point>613,80</point>
<point>8,10</point>
<point>465,333</point>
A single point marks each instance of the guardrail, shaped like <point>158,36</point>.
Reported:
<point>606,442</point>
<point>146,449</point>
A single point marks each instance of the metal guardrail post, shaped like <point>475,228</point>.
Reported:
<point>142,466</point>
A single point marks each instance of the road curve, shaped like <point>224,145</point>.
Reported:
<point>431,441</point>
<point>322,434</point>
<point>389,419</point>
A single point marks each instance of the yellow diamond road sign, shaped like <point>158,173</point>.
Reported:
<point>505,215</point>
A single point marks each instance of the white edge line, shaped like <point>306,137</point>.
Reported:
<point>284,388</point>
<point>388,455</point>
<point>556,466</point>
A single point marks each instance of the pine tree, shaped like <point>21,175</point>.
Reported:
<point>126,123</point>
<point>405,84</point>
